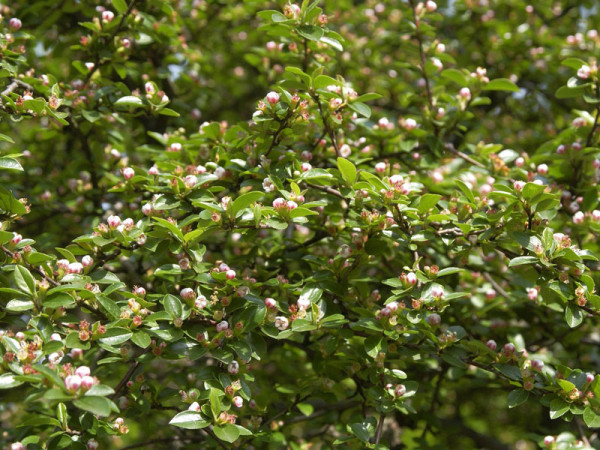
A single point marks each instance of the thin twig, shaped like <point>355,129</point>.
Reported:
<point>379,429</point>
<point>128,375</point>
<point>31,267</point>
<point>327,189</point>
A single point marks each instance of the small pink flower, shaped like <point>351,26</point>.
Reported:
<point>380,167</point>
<point>542,169</point>
<point>434,319</point>
<point>305,167</point>
<point>92,444</point>
<point>520,161</point>
<point>584,72</point>
<point>190,181</point>
<point>128,173</point>
<point>392,306</point>
<point>16,239</point>
<point>270,303</point>
<point>465,93</point>
<point>87,261</point>
<point>222,326</point>
<point>548,441</point>
<point>73,383</point>
<point>175,147</point>
<point>399,390</point>
<point>596,215</point>
<point>281,323</point>
<point>75,268</point>
<point>537,365</point>
<point>411,278</point>
<point>113,221</point>
<point>201,302</point>
<point>87,382</point>
<point>491,344</point>
<point>532,293</point>
<point>410,124</point>
<point>149,88</point>
<point>187,294</point>
<point>272,97</point>
<point>83,371</point>
<point>518,185</point>
<point>233,367</point>
<point>230,274</point>
<point>108,16</point>
<point>15,23</point>
<point>509,348</point>
<point>139,291</point>
<point>147,209</point>
<point>437,292</point>
<point>578,218</point>
<point>345,150</point>
<point>237,401</point>
<point>55,337</point>
<point>128,224</point>
<point>279,203</point>
<point>431,6</point>
<point>90,65</point>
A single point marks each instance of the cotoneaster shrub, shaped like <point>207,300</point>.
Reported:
<point>276,225</point>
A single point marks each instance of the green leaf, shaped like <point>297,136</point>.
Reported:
<point>360,108</point>
<point>245,200</point>
<point>517,397</point>
<point>100,390</point>
<point>96,405</point>
<point>7,381</point>
<point>522,260</point>
<point>10,164</point>
<point>427,202</point>
<point>24,280</point>
<point>215,402</point>
<point>174,229</point>
<point>173,306</point>
<point>120,6</point>
<point>310,32</point>
<point>569,92</point>
<point>558,407</point>
<point>116,336</point>
<point>591,418</point>
<point>190,420</point>
<point>141,339</point>
<point>465,189</point>
<point>348,170</point>
<point>6,138</point>
<point>573,63</point>
<point>455,75</point>
<point>501,84</point>
<point>573,315</point>
<point>228,433</point>
<point>130,101</point>
<point>168,112</point>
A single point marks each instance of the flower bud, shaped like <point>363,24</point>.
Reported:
<point>281,323</point>
<point>237,401</point>
<point>72,383</point>
<point>273,98</point>
<point>233,367</point>
<point>222,326</point>
<point>108,16</point>
<point>491,344</point>
<point>15,23</point>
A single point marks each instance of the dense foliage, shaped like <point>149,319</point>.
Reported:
<point>275,225</point>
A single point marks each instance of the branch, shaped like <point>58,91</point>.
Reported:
<point>128,375</point>
<point>379,429</point>
<point>328,190</point>
<point>31,267</point>
<point>112,36</point>
<point>326,125</point>
<point>15,84</point>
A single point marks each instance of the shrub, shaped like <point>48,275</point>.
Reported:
<point>389,239</point>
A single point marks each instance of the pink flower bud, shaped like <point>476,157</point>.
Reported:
<point>491,344</point>
<point>188,294</point>
<point>518,185</point>
<point>584,72</point>
<point>305,167</point>
<point>15,23</point>
<point>190,181</point>
<point>126,42</point>
<point>113,221</point>
<point>292,205</point>
<point>201,302</point>
<point>222,326</point>
<point>272,97</point>
<point>596,215</point>
<point>434,319</point>
<point>233,367</point>
<point>87,261</point>
<point>75,268</point>
<point>520,161</point>
<point>16,239</point>
<point>55,337</point>
<point>560,149</point>
<point>542,169</point>
<point>431,6</point>
<point>281,323</point>
<point>92,444</point>
<point>578,218</point>
<point>465,93</point>
<point>537,365</point>
<point>175,147</point>
<point>108,16</point>
<point>410,124</point>
<point>548,441</point>
<point>230,274</point>
<point>238,401</point>
<point>270,303</point>
<point>83,371</point>
<point>90,65</point>
<point>147,209</point>
<point>87,382</point>
<point>279,203</point>
<point>128,173</point>
<point>345,150</point>
<point>589,377</point>
<point>437,292</point>
<point>509,348</point>
<point>72,383</point>
<point>153,170</point>
<point>380,167</point>
<point>411,278</point>
<point>399,390</point>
